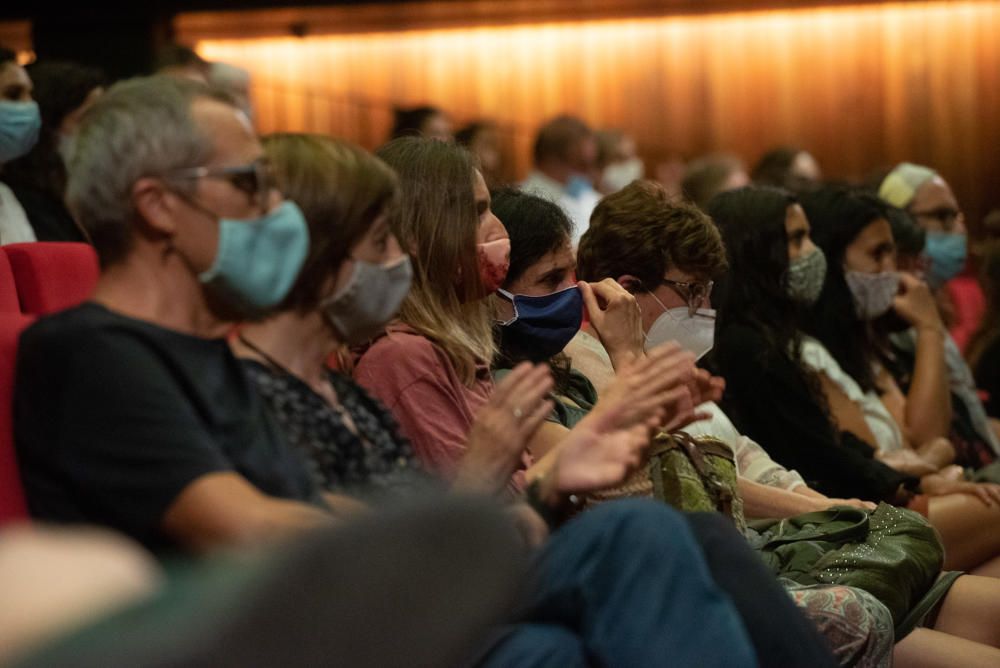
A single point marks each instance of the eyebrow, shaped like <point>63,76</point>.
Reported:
<point>555,272</point>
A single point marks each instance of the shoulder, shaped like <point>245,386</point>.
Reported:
<point>398,360</point>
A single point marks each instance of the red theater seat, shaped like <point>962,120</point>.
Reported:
<point>8,288</point>
<point>970,304</point>
<point>52,276</point>
<point>12,503</point>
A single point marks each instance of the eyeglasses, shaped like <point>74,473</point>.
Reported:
<point>945,215</point>
<point>695,293</point>
<point>254,179</point>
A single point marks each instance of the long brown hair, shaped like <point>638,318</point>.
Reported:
<point>436,223</point>
<point>341,189</point>
<point>989,329</point>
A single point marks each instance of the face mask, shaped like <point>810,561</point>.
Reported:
<point>370,299</point>
<point>258,260</point>
<point>617,175</point>
<point>873,293</point>
<point>806,275</point>
<point>494,261</point>
<point>578,185</point>
<point>19,126</point>
<point>542,326</point>
<point>696,334</point>
<point>947,252</point>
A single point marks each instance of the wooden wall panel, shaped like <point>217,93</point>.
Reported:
<point>860,86</point>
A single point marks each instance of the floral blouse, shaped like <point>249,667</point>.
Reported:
<point>375,461</point>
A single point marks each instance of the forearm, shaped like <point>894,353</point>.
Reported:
<point>928,403</point>
<point>763,502</point>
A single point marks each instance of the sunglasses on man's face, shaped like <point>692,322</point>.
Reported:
<point>254,179</point>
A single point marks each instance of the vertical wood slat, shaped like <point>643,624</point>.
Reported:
<point>861,87</point>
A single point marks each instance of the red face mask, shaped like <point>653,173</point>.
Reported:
<point>494,261</point>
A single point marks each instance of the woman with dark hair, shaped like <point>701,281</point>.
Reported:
<point>776,395</point>
<point>64,91</point>
<point>984,348</point>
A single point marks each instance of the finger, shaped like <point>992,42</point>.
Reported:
<point>984,495</point>
<point>531,423</point>
<point>589,299</point>
<point>531,388</point>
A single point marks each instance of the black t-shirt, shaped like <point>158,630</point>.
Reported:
<point>114,417</point>
<point>769,401</point>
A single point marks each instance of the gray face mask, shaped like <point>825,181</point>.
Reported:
<point>369,300</point>
<point>873,293</point>
<point>806,275</point>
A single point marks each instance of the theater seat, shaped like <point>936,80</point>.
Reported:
<point>52,276</point>
<point>12,503</point>
<point>8,288</point>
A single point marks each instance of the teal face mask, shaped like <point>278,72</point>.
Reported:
<point>20,123</point>
<point>947,252</point>
<point>258,260</point>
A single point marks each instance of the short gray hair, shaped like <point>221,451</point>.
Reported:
<point>140,128</point>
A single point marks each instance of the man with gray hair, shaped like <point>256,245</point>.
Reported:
<point>130,410</point>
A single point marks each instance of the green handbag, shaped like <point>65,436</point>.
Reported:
<point>892,553</point>
<point>695,475</point>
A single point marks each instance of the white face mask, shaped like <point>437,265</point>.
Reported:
<point>617,175</point>
<point>873,293</point>
<point>370,299</point>
<point>695,334</point>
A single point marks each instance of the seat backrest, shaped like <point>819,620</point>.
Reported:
<point>12,503</point>
<point>8,288</point>
<point>52,275</point>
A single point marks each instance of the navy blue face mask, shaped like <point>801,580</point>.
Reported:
<point>543,326</point>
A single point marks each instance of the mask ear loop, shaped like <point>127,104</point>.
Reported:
<point>513,304</point>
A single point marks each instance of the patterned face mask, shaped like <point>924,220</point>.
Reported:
<point>805,277</point>
<point>873,293</point>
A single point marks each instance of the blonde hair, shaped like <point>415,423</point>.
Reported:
<point>436,223</point>
<point>341,189</point>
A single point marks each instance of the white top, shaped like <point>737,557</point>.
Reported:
<point>882,425</point>
<point>578,209</point>
<point>590,358</point>
<point>14,225</point>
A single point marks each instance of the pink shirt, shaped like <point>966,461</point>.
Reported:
<point>417,382</point>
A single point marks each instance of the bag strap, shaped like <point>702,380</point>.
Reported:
<point>693,448</point>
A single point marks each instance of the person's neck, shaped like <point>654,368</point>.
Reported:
<point>300,342</point>
<point>157,287</point>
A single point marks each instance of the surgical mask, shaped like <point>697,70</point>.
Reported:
<point>258,260</point>
<point>873,293</point>
<point>694,333</point>
<point>543,326</point>
<point>20,123</point>
<point>494,261</point>
<point>947,252</point>
<point>806,276</point>
<point>370,299</point>
<point>617,175</point>
<point>578,185</point>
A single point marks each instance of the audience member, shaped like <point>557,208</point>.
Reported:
<point>482,139</point>
<point>975,440</point>
<point>64,91</point>
<point>565,168</point>
<point>235,81</point>
<point>775,395</point>
<point>425,121</point>
<point>159,434</point>
<point>178,60</point>
<point>709,175</point>
<point>20,123</point>
<point>787,167</point>
<point>617,160</point>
